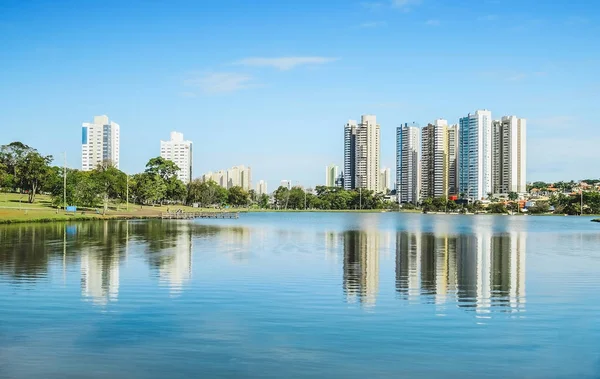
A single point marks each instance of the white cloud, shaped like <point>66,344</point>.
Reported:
<point>218,82</point>
<point>432,22</point>
<point>284,63</point>
<point>373,24</point>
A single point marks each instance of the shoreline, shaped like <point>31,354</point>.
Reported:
<point>62,217</point>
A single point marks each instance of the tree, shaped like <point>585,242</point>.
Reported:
<point>497,208</point>
<point>12,156</point>
<point>175,190</point>
<point>34,170</point>
<point>206,193</point>
<point>147,188</point>
<point>253,196</point>
<point>281,196</point>
<point>263,201</point>
<point>539,207</point>
<point>162,167</point>
<point>296,198</point>
<point>238,197</point>
<point>513,196</point>
<point>111,183</point>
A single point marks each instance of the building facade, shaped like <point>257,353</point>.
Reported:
<point>475,155</point>
<point>331,175</point>
<point>385,180</point>
<point>453,160</point>
<point>286,184</point>
<point>509,155</point>
<point>239,176</point>
<point>434,160</point>
<point>100,141</point>
<point>350,130</point>
<point>362,154</point>
<point>179,151</point>
<point>261,188</point>
<point>407,163</point>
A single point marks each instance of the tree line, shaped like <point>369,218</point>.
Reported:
<point>25,170</point>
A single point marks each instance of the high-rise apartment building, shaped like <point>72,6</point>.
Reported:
<point>261,188</point>
<point>239,176</point>
<point>438,159</point>
<point>219,177</point>
<point>350,130</point>
<point>385,180</point>
<point>179,152</point>
<point>475,155</point>
<point>453,160</point>
<point>362,154</point>
<point>434,160</point>
<point>331,175</point>
<point>286,184</point>
<point>509,155</point>
<point>99,143</point>
<point>407,163</point>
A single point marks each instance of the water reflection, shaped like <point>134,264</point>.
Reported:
<point>480,271</point>
<point>361,266</point>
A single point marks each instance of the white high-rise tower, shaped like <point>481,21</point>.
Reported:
<point>475,155</point>
<point>362,154</point>
<point>407,163</point>
<point>179,151</point>
<point>99,143</point>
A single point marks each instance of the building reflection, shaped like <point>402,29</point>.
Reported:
<point>100,266</point>
<point>361,266</point>
<point>175,267</point>
<point>481,271</point>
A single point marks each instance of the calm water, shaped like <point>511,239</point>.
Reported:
<point>302,296</point>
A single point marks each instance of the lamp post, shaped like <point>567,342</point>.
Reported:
<point>127,194</point>
<point>65,181</point>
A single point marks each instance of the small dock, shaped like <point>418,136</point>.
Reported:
<point>195,215</point>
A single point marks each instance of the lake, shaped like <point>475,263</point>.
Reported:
<point>302,295</point>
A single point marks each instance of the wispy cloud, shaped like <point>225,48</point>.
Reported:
<point>432,22</point>
<point>373,24</point>
<point>217,82</point>
<point>284,63</point>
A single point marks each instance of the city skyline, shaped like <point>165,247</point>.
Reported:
<point>237,77</point>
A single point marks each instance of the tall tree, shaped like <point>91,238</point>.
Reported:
<point>111,183</point>
<point>34,170</point>
<point>238,197</point>
<point>164,168</point>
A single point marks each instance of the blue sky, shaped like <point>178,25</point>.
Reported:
<point>270,84</point>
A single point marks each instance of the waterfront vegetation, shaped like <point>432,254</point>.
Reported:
<point>32,187</point>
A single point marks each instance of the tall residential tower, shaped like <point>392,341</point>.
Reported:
<point>179,152</point>
<point>99,143</point>
<point>475,155</point>
<point>407,163</point>
<point>362,154</point>
<point>509,155</point>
